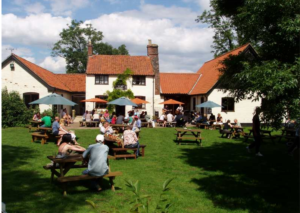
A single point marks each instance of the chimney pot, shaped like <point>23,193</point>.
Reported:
<point>90,48</point>
<point>149,42</point>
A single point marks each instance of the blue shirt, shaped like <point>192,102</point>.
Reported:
<point>55,127</point>
<point>98,159</point>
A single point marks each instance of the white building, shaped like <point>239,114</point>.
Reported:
<point>34,82</point>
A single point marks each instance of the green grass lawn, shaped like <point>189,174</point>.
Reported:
<point>218,177</point>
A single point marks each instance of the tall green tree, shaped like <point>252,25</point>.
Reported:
<point>273,28</point>
<point>73,46</point>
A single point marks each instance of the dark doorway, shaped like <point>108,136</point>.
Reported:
<point>120,110</point>
<point>29,97</point>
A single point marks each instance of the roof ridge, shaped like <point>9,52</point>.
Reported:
<point>195,83</point>
<point>227,52</point>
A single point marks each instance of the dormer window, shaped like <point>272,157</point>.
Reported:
<point>12,66</point>
<point>139,80</point>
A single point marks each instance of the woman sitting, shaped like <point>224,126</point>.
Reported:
<point>96,117</point>
<point>227,129</point>
<point>219,119</point>
<point>37,116</point>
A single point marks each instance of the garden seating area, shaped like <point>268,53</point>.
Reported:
<point>220,176</point>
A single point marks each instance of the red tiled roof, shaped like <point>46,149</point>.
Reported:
<point>177,83</point>
<point>117,64</point>
<point>75,82</point>
<point>67,82</point>
<point>210,72</point>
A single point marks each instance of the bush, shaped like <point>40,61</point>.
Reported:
<point>14,110</point>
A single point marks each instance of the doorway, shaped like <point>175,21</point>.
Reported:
<point>120,110</point>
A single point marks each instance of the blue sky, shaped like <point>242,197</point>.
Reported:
<point>32,27</point>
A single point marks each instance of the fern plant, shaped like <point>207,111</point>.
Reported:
<point>141,203</point>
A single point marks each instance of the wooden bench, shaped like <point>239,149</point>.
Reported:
<point>92,123</point>
<point>110,175</point>
<point>81,123</point>
<point>205,126</point>
<point>127,155</point>
<point>37,135</point>
<point>144,124</point>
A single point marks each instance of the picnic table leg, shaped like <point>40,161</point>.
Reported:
<point>65,189</point>
<point>111,180</point>
<point>143,151</point>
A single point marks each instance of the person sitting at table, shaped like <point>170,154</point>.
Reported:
<point>143,114</point>
<point>47,121</point>
<point>106,116</point>
<point>137,113</point>
<point>66,145</point>
<point>136,124</point>
<point>162,119</point>
<point>114,119</point>
<point>36,116</point>
<point>219,119</point>
<point>102,119</point>
<point>105,128</point>
<point>96,155</point>
<point>212,119</point>
<point>120,119</point>
<point>170,117</point>
<point>131,140</point>
<point>199,118</point>
<point>227,129</point>
<point>180,122</point>
<point>204,119</point>
<point>58,130</point>
<point>236,123</point>
<point>96,117</point>
<point>84,115</point>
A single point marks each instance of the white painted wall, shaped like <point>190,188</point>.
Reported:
<point>21,81</point>
<point>243,109</point>
<point>92,90</point>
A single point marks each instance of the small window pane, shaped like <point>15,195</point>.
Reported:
<point>227,104</point>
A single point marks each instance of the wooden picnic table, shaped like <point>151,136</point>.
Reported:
<point>65,164</point>
<point>34,124</point>
<point>190,134</point>
<point>236,131</point>
<point>217,126</point>
<point>118,127</point>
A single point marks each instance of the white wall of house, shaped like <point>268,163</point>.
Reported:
<point>93,89</point>
<point>21,81</point>
<point>243,110</point>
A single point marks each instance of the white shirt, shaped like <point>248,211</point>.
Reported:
<point>96,116</point>
<point>162,117</point>
<point>180,108</point>
<point>169,117</point>
<point>104,131</point>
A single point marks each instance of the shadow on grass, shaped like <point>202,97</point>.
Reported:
<point>24,187</point>
<point>234,179</point>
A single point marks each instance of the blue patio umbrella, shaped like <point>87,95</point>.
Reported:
<point>122,102</point>
<point>54,99</point>
<point>208,104</point>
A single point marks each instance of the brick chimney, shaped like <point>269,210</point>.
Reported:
<point>90,48</point>
<point>152,52</point>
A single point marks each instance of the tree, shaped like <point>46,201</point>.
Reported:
<point>118,93</point>
<point>14,110</point>
<point>273,28</point>
<point>73,46</point>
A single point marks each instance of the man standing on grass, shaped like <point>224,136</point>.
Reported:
<point>256,133</point>
<point>97,166</point>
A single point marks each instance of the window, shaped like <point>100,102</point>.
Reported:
<point>101,105</point>
<point>227,104</point>
<point>139,80</point>
<point>101,79</point>
<point>29,97</point>
<point>141,106</point>
<point>265,104</point>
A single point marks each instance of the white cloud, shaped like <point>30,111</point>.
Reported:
<point>31,59</point>
<point>23,52</point>
<point>35,8</point>
<point>113,1</point>
<point>56,65</point>
<point>67,7</point>
<point>35,30</point>
<point>204,4</point>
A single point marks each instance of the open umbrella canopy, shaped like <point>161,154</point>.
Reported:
<point>95,100</point>
<point>139,101</point>
<point>54,99</point>
<point>208,104</point>
<point>171,101</point>
<point>122,102</point>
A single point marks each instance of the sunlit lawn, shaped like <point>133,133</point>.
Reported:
<point>218,177</point>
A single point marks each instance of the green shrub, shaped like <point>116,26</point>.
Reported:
<point>14,110</point>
